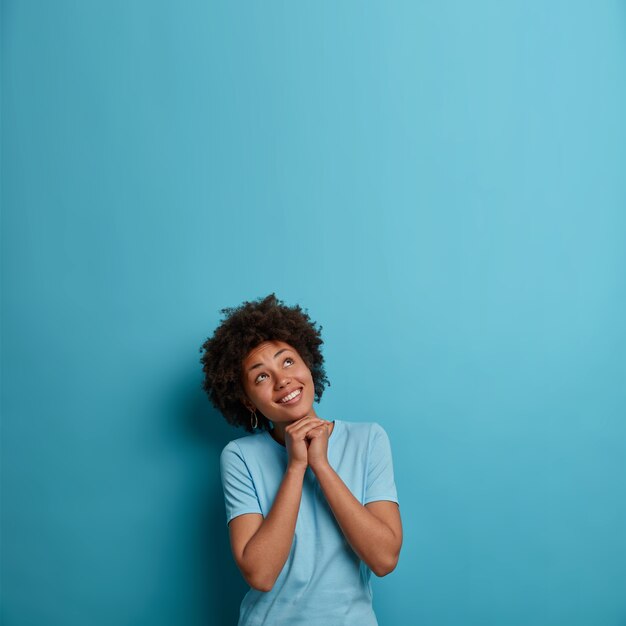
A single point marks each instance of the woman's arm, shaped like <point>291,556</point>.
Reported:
<point>261,546</point>
<point>375,533</point>
<point>375,530</point>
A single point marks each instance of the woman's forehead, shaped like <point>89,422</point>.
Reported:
<point>266,349</point>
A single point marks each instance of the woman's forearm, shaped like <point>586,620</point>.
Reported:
<point>266,552</point>
<point>372,540</point>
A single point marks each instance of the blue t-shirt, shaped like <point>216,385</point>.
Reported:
<point>323,581</point>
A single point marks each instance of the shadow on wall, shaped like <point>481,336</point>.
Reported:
<point>220,586</point>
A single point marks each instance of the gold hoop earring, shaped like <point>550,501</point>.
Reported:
<point>255,423</point>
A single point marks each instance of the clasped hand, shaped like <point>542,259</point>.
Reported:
<point>307,442</point>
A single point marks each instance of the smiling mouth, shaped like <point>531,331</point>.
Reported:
<point>291,398</point>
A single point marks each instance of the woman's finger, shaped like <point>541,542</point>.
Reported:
<point>318,431</point>
<point>300,427</point>
<point>305,422</point>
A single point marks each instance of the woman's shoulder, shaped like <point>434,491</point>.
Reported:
<point>246,444</point>
<point>362,429</point>
<point>360,425</point>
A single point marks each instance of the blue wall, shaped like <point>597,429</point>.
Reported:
<point>441,184</point>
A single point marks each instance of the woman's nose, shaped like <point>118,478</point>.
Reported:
<point>282,382</point>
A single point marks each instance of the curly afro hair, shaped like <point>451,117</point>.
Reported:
<point>243,328</point>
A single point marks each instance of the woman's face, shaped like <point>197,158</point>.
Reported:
<point>273,371</point>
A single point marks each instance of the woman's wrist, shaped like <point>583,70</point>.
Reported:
<point>320,466</point>
<point>296,467</point>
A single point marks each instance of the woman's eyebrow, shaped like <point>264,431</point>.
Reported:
<point>260,364</point>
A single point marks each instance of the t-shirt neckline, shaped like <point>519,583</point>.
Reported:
<point>330,439</point>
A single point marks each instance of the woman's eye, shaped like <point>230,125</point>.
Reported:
<point>259,379</point>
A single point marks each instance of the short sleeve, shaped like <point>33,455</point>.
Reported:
<point>380,483</point>
<point>239,493</point>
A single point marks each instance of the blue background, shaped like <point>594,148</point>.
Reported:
<point>441,184</point>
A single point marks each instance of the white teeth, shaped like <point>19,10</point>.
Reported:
<point>291,396</point>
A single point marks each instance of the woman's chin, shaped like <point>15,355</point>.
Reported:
<point>293,415</point>
<point>298,415</point>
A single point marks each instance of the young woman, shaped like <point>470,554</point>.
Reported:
<point>311,504</point>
